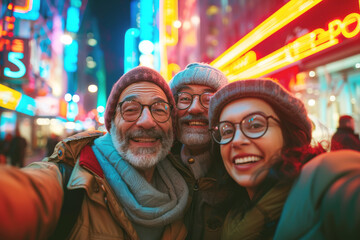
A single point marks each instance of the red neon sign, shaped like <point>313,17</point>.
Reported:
<point>251,64</point>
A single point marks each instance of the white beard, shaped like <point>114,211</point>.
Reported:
<point>188,136</point>
<point>142,158</point>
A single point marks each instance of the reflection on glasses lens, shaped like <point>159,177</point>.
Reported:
<point>131,110</point>
<point>184,99</point>
<point>160,111</point>
<point>252,126</point>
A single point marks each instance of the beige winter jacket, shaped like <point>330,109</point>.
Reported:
<point>101,215</point>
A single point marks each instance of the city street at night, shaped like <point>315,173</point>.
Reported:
<point>179,119</point>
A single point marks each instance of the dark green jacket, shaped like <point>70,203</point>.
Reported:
<point>324,202</point>
<point>206,212</point>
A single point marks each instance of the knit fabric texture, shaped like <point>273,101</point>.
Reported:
<point>138,74</point>
<point>199,74</point>
<point>271,92</point>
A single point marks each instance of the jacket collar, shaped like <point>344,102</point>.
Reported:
<point>88,160</point>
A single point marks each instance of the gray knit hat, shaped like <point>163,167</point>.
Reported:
<point>273,93</point>
<point>198,73</point>
<point>138,74</point>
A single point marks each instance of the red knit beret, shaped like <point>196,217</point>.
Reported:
<point>271,92</point>
<point>138,74</point>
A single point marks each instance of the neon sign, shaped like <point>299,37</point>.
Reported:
<point>146,19</point>
<point>73,19</point>
<point>170,16</point>
<point>244,60</point>
<point>9,98</point>
<point>290,11</point>
<point>28,9</point>
<point>131,58</point>
<point>71,56</point>
<point>14,100</point>
<point>15,58</point>
<point>307,45</point>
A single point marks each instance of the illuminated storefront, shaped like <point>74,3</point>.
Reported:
<point>312,48</point>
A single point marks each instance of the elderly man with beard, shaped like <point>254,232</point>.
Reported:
<point>127,186</point>
<point>192,88</point>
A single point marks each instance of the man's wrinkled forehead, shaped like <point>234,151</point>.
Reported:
<point>138,90</point>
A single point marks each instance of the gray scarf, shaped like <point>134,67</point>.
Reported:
<point>144,204</point>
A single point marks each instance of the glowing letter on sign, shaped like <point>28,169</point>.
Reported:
<point>351,19</point>
<point>14,57</point>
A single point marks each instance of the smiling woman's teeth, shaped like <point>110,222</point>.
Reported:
<point>249,159</point>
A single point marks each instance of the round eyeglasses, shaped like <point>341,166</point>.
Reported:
<point>131,110</point>
<point>185,99</point>
<point>252,126</point>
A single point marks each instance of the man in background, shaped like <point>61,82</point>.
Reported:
<point>17,149</point>
<point>192,88</point>
<point>345,137</point>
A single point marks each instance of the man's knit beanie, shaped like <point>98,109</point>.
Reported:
<point>199,74</point>
<point>138,74</point>
<point>274,94</point>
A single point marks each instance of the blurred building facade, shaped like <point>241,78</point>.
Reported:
<point>48,60</point>
<point>50,54</point>
<point>311,47</point>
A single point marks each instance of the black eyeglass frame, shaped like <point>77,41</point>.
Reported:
<point>142,109</point>
<point>192,99</point>
<point>213,130</point>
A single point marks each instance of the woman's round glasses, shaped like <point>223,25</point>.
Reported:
<point>131,110</point>
<point>185,99</point>
<point>252,126</point>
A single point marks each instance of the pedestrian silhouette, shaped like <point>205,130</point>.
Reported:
<point>17,149</point>
<point>345,137</point>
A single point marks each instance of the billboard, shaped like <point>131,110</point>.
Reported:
<point>15,60</point>
<point>299,29</point>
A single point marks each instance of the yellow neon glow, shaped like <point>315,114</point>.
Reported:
<point>307,45</point>
<point>278,20</point>
<point>173,68</point>
<point>170,16</point>
<point>9,98</point>
<point>162,42</point>
<point>350,19</point>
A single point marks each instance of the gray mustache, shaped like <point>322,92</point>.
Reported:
<point>151,133</point>
<point>193,118</point>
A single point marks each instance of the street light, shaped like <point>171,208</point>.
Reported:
<point>92,88</point>
<point>66,39</point>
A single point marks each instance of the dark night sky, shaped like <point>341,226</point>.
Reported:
<point>113,19</point>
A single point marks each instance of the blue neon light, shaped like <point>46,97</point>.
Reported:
<point>71,58</point>
<point>146,19</point>
<point>15,58</point>
<point>131,54</point>
<point>72,111</point>
<point>73,19</point>
<point>27,105</point>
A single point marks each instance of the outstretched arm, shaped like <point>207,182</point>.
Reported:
<point>341,208</point>
<point>30,201</point>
